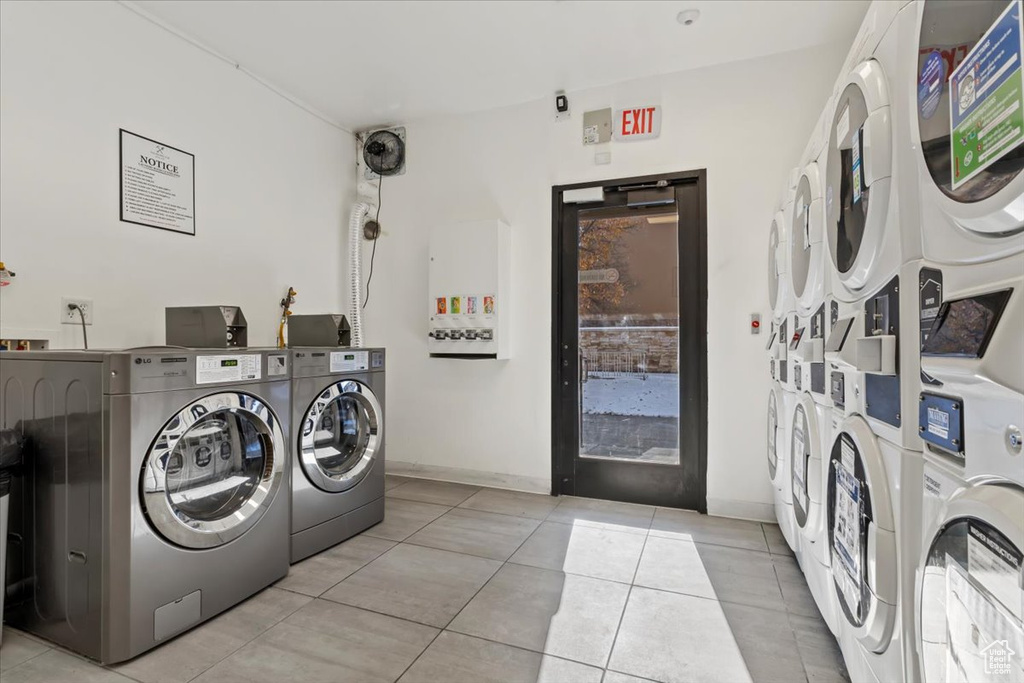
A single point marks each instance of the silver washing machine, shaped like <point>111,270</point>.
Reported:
<point>156,496</point>
<point>338,468</point>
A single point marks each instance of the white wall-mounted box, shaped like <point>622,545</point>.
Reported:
<point>469,286</point>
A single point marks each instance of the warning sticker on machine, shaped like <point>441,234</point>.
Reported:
<point>846,537</point>
<point>986,103</point>
<point>995,566</point>
<point>855,163</point>
<point>983,637</point>
<point>233,368</point>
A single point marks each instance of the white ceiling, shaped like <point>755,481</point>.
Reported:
<point>369,63</point>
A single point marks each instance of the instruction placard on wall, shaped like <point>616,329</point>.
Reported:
<point>157,185</point>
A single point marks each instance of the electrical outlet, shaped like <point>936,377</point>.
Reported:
<point>70,316</point>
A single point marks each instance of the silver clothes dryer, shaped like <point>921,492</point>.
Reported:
<point>338,441</point>
<point>156,494</point>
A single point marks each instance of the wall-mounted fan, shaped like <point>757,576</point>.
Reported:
<point>384,152</point>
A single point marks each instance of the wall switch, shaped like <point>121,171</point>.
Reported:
<point>755,323</point>
<point>602,158</point>
<point>70,316</point>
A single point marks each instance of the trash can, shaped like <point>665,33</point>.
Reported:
<point>11,447</point>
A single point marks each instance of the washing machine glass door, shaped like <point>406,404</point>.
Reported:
<point>802,443</point>
<point>213,470</point>
<point>861,535</point>
<point>773,435</point>
<point>986,153</point>
<point>341,436</point>
<point>971,596</point>
<point>776,264</point>
<point>804,237</point>
<point>857,174</point>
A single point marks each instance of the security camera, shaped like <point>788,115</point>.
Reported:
<point>688,17</point>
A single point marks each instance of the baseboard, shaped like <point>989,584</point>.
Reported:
<point>460,475</point>
<point>741,509</point>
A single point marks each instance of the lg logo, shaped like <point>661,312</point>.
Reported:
<point>140,361</point>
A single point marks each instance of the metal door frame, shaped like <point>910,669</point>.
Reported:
<point>694,404</point>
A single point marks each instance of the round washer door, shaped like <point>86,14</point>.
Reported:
<point>776,265</point>
<point>806,265</point>
<point>805,460</point>
<point>984,167</point>
<point>858,174</point>
<point>213,470</point>
<point>971,596</point>
<point>774,434</point>
<point>861,535</point>
<point>341,436</point>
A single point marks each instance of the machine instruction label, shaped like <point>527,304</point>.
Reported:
<point>993,566</point>
<point>986,99</point>
<point>846,536</point>
<point>855,163</point>
<point>228,368</point>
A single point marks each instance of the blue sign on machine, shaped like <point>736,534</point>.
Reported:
<point>941,422</point>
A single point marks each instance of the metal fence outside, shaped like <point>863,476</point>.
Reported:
<point>613,364</point>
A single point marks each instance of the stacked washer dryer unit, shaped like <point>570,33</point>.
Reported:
<point>781,397</point>
<point>338,468</point>
<point>812,419</point>
<point>157,496</point>
<point>874,464</point>
<point>969,598</point>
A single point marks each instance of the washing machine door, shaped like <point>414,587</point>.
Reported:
<point>971,597</point>
<point>805,461</point>
<point>858,174</point>
<point>777,265</point>
<point>341,437</point>
<point>861,535</point>
<point>213,470</point>
<point>775,471</point>
<point>806,267</point>
<point>979,174</point>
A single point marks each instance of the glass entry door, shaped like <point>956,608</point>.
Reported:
<point>630,356</point>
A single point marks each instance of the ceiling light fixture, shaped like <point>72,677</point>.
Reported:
<point>688,17</point>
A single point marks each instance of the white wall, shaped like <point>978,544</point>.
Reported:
<point>273,182</point>
<point>746,123</point>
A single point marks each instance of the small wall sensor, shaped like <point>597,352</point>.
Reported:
<point>688,17</point>
<point>561,104</point>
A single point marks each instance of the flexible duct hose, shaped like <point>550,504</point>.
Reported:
<point>355,251</point>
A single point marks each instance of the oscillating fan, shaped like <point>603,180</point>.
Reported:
<point>384,152</point>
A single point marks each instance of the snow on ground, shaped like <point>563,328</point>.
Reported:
<point>656,396</point>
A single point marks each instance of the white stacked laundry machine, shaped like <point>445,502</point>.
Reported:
<point>966,129</point>
<point>910,518</point>
<point>810,428</point>
<point>782,398</point>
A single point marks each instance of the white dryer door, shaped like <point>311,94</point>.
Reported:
<point>861,534</point>
<point>342,432</point>
<point>970,598</point>
<point>213,470</point>
<point>858,175</point>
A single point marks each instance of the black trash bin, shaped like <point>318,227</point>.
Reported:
<point>11,448</point>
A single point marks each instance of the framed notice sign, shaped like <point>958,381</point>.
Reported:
<point>158,187</point>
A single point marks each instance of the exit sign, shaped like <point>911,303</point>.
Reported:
<point>637,123</point>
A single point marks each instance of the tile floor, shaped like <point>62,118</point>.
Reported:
<point>461,583</point>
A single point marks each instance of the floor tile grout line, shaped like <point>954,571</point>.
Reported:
<point>618,627</point>
<point>246,643</point>
<point>38,654</point>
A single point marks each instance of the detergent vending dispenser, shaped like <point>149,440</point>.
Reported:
<point>470,272</point>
